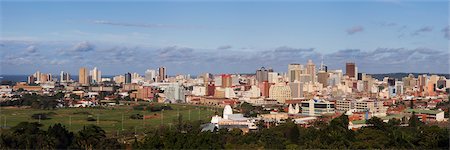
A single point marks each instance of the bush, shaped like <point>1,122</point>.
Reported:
<point>90,118</point>
<point>82,113</point>
<point>137,116</point>
<point>42,116</point>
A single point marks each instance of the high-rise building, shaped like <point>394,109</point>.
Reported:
<point>296,89</point>
<point>280,92</point>
<point>311,70</point>
<point>294,71</point>
<point>350,69</point>
<point>264,88</point>
<point>262,74</point>
<point>31,79</point>
<point>272,77</point>
<point>150,75</point>
<point>127,77</point>
<point>119,79</point>
<point>322,77</point>
<point>83,76</point>
<point>162,74</point>
<point>96,75</point>
<point>64,77</point>
<point>226,80</point>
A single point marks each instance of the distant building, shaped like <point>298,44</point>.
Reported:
<point>294,71</point>
<point>427,115</point>
<point>83,76</point>
<point>280,92</point>
<point>317,107</point>
<point>350,69</point>
<point>64,77</point>
<point>127,77</point>
<point>96,75</point>
<point>296,89</point>
<point>175,93</point>
<point>150,75</point>
<point>162,74</point>
<point>311,70</point>
<point>322,77</point>
<point>226,80</point>
<point>262,75</point>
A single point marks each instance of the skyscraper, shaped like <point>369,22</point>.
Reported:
<point>226,80</point>
<point>127,77</point>
<point>96,75</point>
<point>83,76</point>
<point>64,77</point>
<point>311,70</point>
<point>322,77</point>
<point>150,75</point>
<point>350,69</point>
<point>262,74</point>
<point>162,74</point>
<point>294,71</point>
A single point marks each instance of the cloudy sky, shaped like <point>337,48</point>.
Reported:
<point>223,37</point>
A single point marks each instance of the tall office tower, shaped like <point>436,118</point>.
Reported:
<point>150,75</point>
<point>210,89</point>
<point>226,80</point>
<point>323,67</point>
<point>162,74</point>
<point>37,76</point>
<point>127,77</point>
<point>350,69</point>
<point>31,79</point>
<point>272,77</point>
<point>96,75</point>
<point>83,76</point>
<point>64,77</point>
<point>322,77</point>
<point>264,88</point>
<point>296,89</point>
<point>294,71</point>
<point>135,76</point>
<point>311,70</point>
<point>262,74</point>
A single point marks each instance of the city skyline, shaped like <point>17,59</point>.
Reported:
<point>223,37</point>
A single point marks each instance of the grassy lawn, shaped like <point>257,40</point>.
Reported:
<point>110,119</point>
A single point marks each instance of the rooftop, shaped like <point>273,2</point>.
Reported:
<point>423,111</point>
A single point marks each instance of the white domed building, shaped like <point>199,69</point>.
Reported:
<point>230,121</point>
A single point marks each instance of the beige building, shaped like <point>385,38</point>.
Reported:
<point>83,76</point>
<point>280,92</point>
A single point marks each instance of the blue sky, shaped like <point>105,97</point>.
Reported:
<point>223,37</point>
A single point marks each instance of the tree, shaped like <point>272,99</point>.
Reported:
<point>62,137</point>
<point>414,120</point>
<point>90,137</point>
<point>377,123</point>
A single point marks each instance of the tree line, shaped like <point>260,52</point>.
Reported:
<point>188,135</point>
<point>29,135</point>
<point>322,135</point>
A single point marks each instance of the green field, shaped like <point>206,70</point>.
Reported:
<point>109,118</point>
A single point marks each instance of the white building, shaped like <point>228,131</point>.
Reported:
<point>374,107</point>
<point>96,75</point>
<point>199,90</point>
<point>317,107</point>
<point>175,93</point>
<point>230,121</point>
<point>150,75</point>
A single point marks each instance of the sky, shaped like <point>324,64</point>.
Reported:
<point>193,37</point>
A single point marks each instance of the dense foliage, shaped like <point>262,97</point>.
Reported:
<point>35,101</point>
<point>30,136</point>
<point>188,135</point>
<point>152,107</point>
<point>335,135</point>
